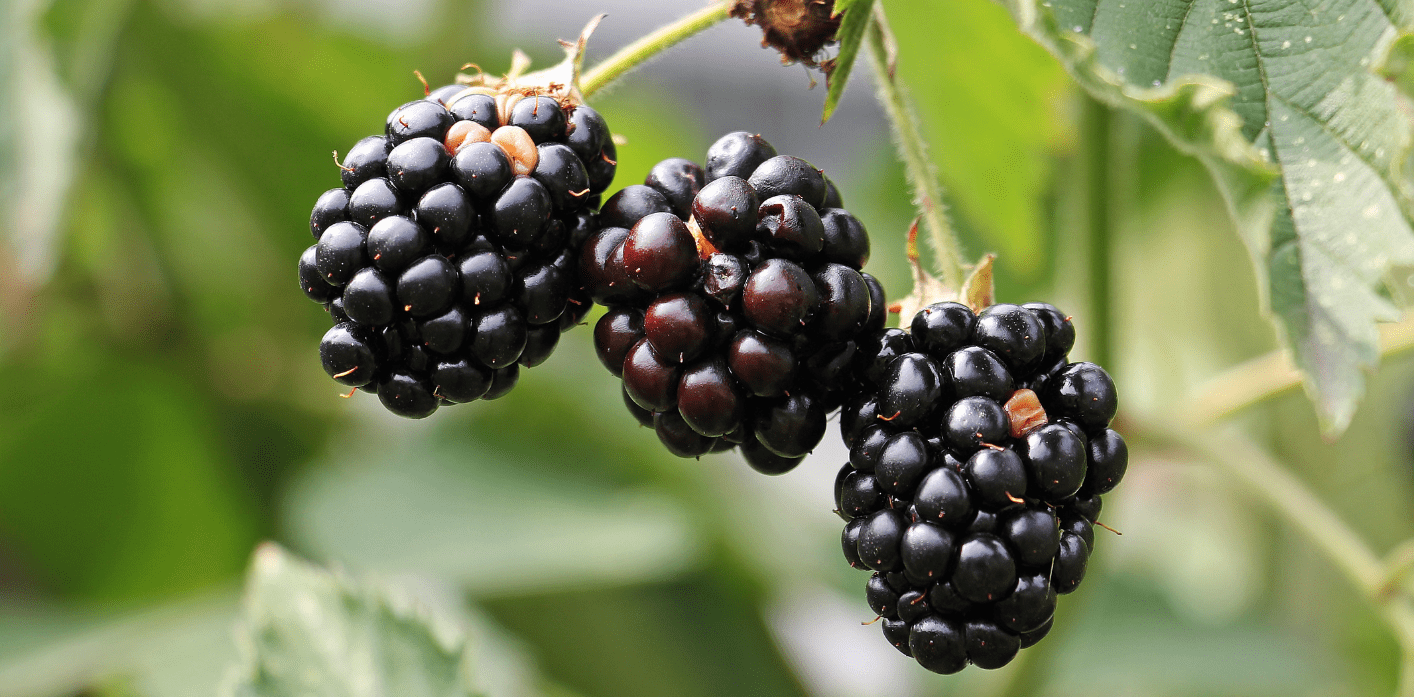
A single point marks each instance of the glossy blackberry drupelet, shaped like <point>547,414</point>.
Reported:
<point>736,302</point>
<point>448,257</point>
<point>978,455</point>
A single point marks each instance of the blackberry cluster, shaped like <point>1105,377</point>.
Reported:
<point>447,259</point>
<point>735,301</point>
<point>978,456</point>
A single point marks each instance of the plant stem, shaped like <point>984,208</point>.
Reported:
<point>913,150</point>
<point>1268,375</point>
<point>665,37</point>
<point>1399,564</point>
<point>1097,123</point>
<point>1287,496</point>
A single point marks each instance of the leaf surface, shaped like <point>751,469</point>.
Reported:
<point>850,36</point>
<point>1281,100</point>
<point>307,632</point>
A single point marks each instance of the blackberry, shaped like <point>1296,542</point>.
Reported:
<point>448,257</point>
<point>737,304</point>
<point>978,456</point>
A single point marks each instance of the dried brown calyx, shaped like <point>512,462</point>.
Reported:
<point>799,29</point>
<point>559,81</point>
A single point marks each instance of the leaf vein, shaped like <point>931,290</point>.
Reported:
<point>1325,127</point>
<point>1173,49</point>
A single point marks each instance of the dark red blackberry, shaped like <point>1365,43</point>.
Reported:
<point>997,450</point>
<point>750,319</point>
<point>726,213</point>
<point>449,256</point>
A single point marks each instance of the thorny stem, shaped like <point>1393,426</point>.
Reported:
<point>913,150</point>
<point>665,37</point>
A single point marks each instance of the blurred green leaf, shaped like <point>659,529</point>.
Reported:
<point>1307,144</point>
<point>177,649</point>
<point>454,508</point>
<point>850,35</point>
<point>992,108</point>
<point>305,632</point>
<point>111,483</point>
<point>698,636</point>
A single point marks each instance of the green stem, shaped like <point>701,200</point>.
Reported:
<point>913,150</point>
<point>1286,495</point>
<point>1097,120</point>
<point>1399,564</point>
<point>634,54</point>
<point>1266,376</point>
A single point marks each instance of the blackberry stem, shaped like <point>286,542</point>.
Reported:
<point>631,56</point>
<point>913,150</point>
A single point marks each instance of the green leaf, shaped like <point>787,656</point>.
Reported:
<point>850,35</point>
<point>431,510</point>
<point>1281,102</point>
<point>306,632</point>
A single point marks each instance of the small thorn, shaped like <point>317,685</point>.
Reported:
<point>891,418</point>
<point>1108,528</point>
<point>426,89</point>
<point>876,619</point>
<point>346,373</point>
<point>350,394</point>
<point>577,194</point>
<point>606,159</point>
<point>1013,499</point>
<point>991,446</point>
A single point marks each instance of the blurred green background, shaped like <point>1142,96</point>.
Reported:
<point>163,408</point>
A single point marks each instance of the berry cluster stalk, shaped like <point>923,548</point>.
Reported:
<point>636,53</point>
<point>913,150</point>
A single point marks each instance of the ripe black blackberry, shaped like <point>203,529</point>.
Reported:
<point>447,258</point>
<point>978,455</point>
<point>735,297</point>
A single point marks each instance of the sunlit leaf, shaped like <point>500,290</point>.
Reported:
<point>1282,103</point>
